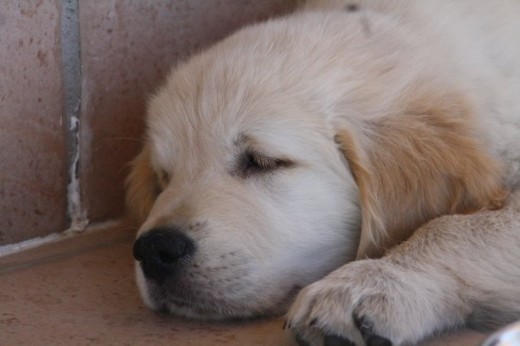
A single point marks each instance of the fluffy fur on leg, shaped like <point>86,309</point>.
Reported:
<point>448,273</point>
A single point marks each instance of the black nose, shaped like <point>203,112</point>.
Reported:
<point>162,251</point>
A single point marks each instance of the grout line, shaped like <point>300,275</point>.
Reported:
<point>72,79</point>
<point>97,233</point>
<point>10,249</point>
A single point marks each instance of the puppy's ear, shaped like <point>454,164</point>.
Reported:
<point>141,187</point>
<point>372,223</point>
<point>415,166</point>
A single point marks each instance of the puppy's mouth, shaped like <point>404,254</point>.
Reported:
<point>196,308</point>
<point>182,299</point>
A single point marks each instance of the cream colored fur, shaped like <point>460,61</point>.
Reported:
<point>375,119</point>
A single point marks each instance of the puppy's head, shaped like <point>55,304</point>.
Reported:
<point>243,193</point>
<point>275,157</point>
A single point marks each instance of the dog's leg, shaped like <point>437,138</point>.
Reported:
<point>452,271</point>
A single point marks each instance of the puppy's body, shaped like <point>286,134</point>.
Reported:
<point>297,145</point>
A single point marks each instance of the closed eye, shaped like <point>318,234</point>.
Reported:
<point>253,163</point>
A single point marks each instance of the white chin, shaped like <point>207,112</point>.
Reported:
<point>143,289</point>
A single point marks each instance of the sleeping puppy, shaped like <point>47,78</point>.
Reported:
<point>326,151</point>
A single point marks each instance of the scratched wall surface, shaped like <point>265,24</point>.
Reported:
<point>125,49</point>
<point>33,174</point>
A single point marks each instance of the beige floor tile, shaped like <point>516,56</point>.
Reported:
<point>81,291</point>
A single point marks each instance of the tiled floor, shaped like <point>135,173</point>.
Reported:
<point>81,291</point>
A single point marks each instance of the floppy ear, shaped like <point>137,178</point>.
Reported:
<point>415,166</point>
<point>373,228</point>
<point>141,187</point>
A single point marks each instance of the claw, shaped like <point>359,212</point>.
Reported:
<point>367,330</point>
<point>300,341</point>
<point>334,340</point>
<point>287,324</point>
<point>377,340</point>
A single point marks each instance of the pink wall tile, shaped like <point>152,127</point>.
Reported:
<point>127,47</point>
<point>32,142</point>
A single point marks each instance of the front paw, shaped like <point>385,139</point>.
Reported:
<point>362,303</point>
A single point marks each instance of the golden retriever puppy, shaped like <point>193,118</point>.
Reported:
<point>314,151</point>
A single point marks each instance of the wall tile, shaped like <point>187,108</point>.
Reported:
<point>32,142</point>
<point>127,47</point>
